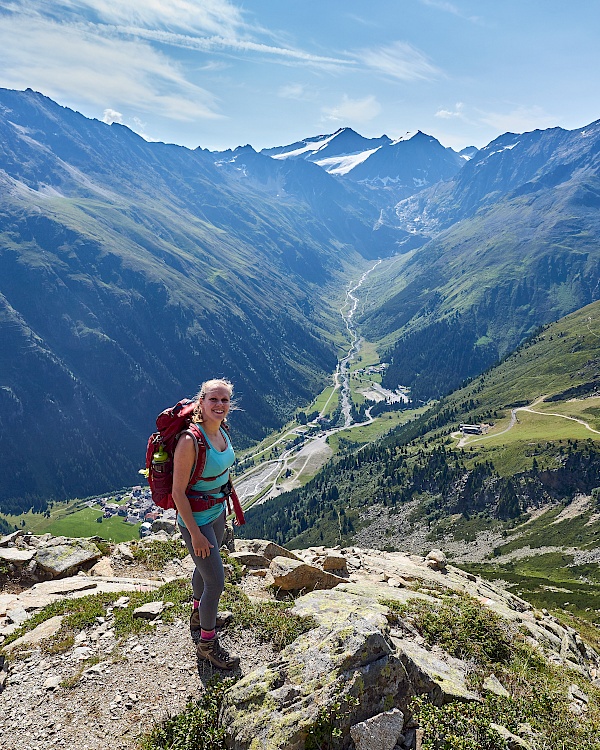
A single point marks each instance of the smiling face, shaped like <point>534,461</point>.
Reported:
<point>215,403</point>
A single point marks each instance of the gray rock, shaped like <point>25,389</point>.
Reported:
<point>43,631</point>
<point>102,568</point>
<point>294,575</point>
<point>276,705</point>
<point>149,611</point>
<point>62,559</point>
<point>441,678</point>
<point>52,682</point>
<point>124,551</point>
<point>263,547</point>
<point>252,559</point>
<point>18,615</point>
<point>513,742</point>
<point>166,525</point>
<point>380,732</point>
<point>16,556</point>
<point>9,539</point>
<point>436,560</point>
<point>81,653</point>
<point>334,608</point>
<point>576,693</point>
<point>493,685</point>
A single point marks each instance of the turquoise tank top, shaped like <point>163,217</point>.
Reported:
<point>217,465</point>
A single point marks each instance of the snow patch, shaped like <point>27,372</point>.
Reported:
<point>344,164</point>
<point>406,137</point>
<point>312,146</point>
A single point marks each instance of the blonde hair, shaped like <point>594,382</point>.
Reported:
<point>204,388</point>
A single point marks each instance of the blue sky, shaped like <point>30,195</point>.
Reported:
<point>222,73</point>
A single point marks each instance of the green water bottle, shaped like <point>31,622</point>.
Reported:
<point>160,459</point>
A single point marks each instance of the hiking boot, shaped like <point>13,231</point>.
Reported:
<point>215,654</point>
<point>223,619</point>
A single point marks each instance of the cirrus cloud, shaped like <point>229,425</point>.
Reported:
<point>72,60</point>
<point>353,110</point>
<point>402,61</point>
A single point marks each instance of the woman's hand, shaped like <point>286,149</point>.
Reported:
<point>200,543</point>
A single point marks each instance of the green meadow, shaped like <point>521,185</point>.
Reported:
<point>74,520</point>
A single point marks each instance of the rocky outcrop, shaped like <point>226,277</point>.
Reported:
<point>295,575</point>
<point>358,668</point>
<point>36,558</point>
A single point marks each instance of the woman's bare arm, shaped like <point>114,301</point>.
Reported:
<point>183,462</point>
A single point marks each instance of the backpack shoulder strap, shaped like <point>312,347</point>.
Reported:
<point>201,447</point>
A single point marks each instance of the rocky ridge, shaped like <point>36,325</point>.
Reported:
<point>103,691</point>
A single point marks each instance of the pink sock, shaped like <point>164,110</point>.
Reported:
<point>196,603</point>
<point>207,635</point>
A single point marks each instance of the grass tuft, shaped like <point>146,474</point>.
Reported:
<point>274,621</point>
<point>156,554</point>
<point>197,727</point>
<point>461,626</point>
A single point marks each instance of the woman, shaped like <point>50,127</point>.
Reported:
<point>203,531</point>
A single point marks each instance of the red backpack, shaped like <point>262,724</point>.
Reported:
<point>171,424</point>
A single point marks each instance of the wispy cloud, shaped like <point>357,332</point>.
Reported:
<point>71,60</point>
<point>208,16</point>
<point>230,45</point>
<point>298,91</point>
<point>449,114</point>
<point>402,61</point>
<point>353,110</point>
<point>120,56</point>
<point>448,7</point>
<point>519,120</point>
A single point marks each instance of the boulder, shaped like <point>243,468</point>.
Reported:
<point>380,732</point>
<point>334,562</point>
<point>124,551</point>
<point>436,560</point>
<point>493,685</point>
<point>333,608</point>
<point>263,547</point>
<point>102,568</point>
<point>16,556</point>
<point>277,705</point>
<point>63,559</point>
<point>251,559</point>
<point>167,525</point>
<point>149,611</point>
<point>45,630</point>
<point>440,677</point>
<point>9,539</point>
<point>513,742</point>
<point>294,575</point>
<point>350,653</point>
<point>18,615</point>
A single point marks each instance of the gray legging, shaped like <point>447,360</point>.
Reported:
<point>208,580</point>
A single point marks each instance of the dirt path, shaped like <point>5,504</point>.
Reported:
<point>464,439</point>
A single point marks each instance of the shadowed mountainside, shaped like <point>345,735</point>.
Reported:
<point>131,271</point>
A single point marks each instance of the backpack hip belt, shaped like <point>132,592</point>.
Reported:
<point>204,500</point>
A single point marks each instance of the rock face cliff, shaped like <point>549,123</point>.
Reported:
<point>388,646</point>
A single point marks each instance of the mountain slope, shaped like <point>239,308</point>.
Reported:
<point>397,168</point>
<point>521,249</point>
<point>519,503</point>
<point>131,271</point>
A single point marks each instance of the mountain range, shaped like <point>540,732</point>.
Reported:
<point>511,244</point>
<point>399,168</point>
<point>131,271</point>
